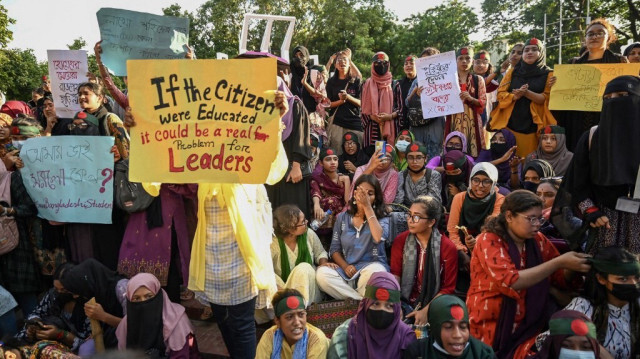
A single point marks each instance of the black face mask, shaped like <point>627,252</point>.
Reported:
<point>299,62</point>
<point>379,319</point>
<point>89,131</point>
<point>450,148</point>
<point>626,292</point>
<point>418,171</point>
<point>380,68</point>
<point>455,178</point>
<point>498,149</point>
<point>530,186</point>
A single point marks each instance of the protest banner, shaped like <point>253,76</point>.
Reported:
<point>137,35</point>
<point>438,76</point>
<point>67,70</point>
<point>70,178</point>
<point>204,121</point>
<point>580,87</point>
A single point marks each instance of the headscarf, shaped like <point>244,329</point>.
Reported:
<point>14,108</point>
<point>5,120</point>
<point>542,168</point>
<point>561,157</point>
<point>443,309</point>
<point>475,210</point>
<point>367,342</point>
<point>358,159</point>
<point>459,160</point>
<point>504,169</point>
<point>523,72</point>
<point>152,323</point>
<point>459,134</point>
<point>402,164</point>
<point>565,324</point>
<point>615,148</point>
<point>287,119</point>
<point>92,279</point>
<point>385,176</point>
<point>304,256</point>
<point>377,96</point>
<point>627,51</point>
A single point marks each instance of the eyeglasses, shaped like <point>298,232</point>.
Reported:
<point>596,34</point>
<point>415,159</point>
<point>480,62</point>
<point>486,182</point>
<point>73,126</point>
<point>304,223</point>
<point>535,221</point>
<point>415,218</point>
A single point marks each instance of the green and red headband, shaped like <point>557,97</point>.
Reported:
<point>87,117</point>
<point>411,58</point>
<point>482,55</point>
<point>552,130</point>
<point>378,293</point>
<point>416,147</point>
<point>327,152</point>
<point>450,166</point>
<point>380,56</point>
<point>615,267</point>
<point>288,304</point>
<point>350,136</point>
<point>464,51</point>
<point>536,42</point>
<point>24,130</point>
<point>571,327</point>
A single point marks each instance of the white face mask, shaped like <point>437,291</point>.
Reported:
<point>575,354</point>
<point>402,145</point>
<point>18,144</point>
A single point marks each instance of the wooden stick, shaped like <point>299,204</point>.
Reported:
<point>96,331</point>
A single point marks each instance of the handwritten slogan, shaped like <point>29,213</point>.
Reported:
<point>67,70</point>
<point>580,87</point>
<point>438,77</point>
<point>136,35</point>
<point>203,121</point>
<point>70,178</point>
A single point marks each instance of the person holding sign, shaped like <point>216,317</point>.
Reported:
<point>598,36</point>
<point>602,179</point>
<point>473,96</point>
<point>523,98</point>
<point>381,103</point>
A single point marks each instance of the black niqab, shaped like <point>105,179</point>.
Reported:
<point>144,324</point>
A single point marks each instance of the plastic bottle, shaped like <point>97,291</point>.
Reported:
<point>315,224</point>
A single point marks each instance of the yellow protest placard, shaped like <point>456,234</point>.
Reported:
<point>580,87</point>
<point>203,121</point>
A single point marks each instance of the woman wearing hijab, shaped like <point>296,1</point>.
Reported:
<point>523,98</point>
<point>456,176</point>
<point>552,148</point>
<point>473,96</point>
<point>513,267</point>
<point>14,108</point>
<point>531,175</point>
<point>449,335</point>
<point>381,103</point>
<point>405,138</point>
<point>571,335</point>
<point>329,192</point>
<point>454,141</point>
<point>632,52</point>
<point>300,74</point>
<point>377,330</point>
<point>599,35</point>
<point>500,154</point>
<point>153,323</point>
<point>91,279</point>
<point>602,177</point>
<point>296,137</point>
<point>352,155</point>
<point>380,166</point>
<point>469,210</point>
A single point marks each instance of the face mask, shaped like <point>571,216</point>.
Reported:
<point>379,319</point>
<point>455,179</point>
<point>626,292</point>
<point>498,149</point>
<point>402,145</point>
<point>418,171</point>
<point>380,69</point>
<point>575,354</point>
<point>530,186</point>
<point>18,144</point>
<point>298,62</point>
<point>449,149</point>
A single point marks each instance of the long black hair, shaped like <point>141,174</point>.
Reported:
<point>516,202</point>
<point>379,208</point>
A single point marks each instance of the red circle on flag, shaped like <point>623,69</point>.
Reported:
<point>330,152</point>
<point>293,302</point>
<point>579,327</point>
<point>482,56</point>
<point>463,52</point>
<point>347,137</point>
<point>81,115</point>
<point>457,312</point>
<point>534,41</point>
<point>547,129</point>
<point>414,148</point>
<point>382,294</point>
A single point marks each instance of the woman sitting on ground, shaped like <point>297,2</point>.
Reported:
<point>531,175</point>
<point>454,141</point>
<point>417,180</point>
<point>295,251</point>
<point>553,149</point>
<point>352,155</point>
<point>381,166</point>
<point>291,337</point>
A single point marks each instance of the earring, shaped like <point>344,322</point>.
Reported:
<point>374,206</point>
<point>354,201</point>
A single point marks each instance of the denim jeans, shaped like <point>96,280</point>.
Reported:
<point>238,327</point>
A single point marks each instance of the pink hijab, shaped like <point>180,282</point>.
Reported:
<point>377,97</point>
<point>176,324</point>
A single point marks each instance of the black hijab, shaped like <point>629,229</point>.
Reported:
<point>297,67</point>
<point>615,148</point>
<point>93,279</point>
<point>358,159</point>
<point>144,324</point>
<point>627,51</point>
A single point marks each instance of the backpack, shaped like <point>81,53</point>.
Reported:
<point>130,196</point>
<point>9,236</point>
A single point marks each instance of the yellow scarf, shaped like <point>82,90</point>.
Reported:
<point>250,230</point>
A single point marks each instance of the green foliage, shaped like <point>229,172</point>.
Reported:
<point>6,35</point>
<point>77,44</point>
<point>20,73</point>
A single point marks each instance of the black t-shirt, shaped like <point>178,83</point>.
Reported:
<point>348,115</point>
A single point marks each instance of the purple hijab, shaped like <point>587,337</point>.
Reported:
<point>287,119</point>
<point>504,170</point>
<point>367,342</point>
<point>459,134</point>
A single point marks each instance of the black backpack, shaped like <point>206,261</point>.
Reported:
<point>130,196</point>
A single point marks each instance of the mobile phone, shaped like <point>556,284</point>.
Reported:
<point>10,147</point>
<point>36,323</point>
<point>382,147</point>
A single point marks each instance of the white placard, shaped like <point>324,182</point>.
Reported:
<point>438,76</point>
<point>67,70</point>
